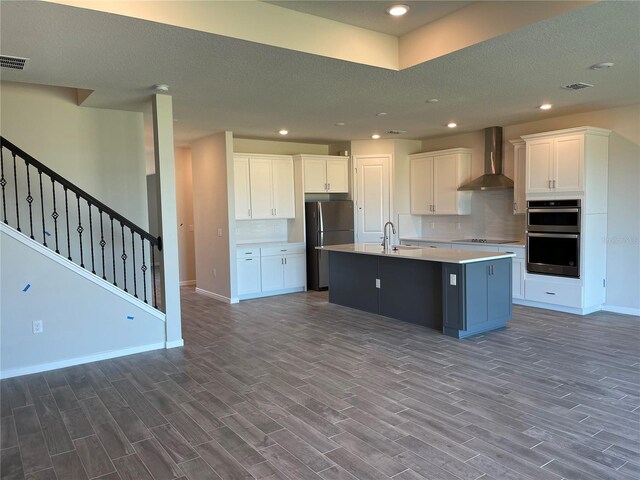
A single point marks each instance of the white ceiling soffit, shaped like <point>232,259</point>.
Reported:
<point>271,24</point>
<point>220,83</point>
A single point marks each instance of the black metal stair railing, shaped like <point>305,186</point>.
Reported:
<point>118,236</point>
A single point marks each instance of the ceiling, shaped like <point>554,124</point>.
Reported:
<point>372,15</point>
<point>222,83</point>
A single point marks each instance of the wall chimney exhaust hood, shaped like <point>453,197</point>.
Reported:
<point>493,179</point>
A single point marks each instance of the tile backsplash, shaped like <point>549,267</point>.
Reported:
<point>255,231</point>
<point>491,217</point>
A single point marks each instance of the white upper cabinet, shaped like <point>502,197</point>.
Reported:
<point>558,162</point>
<point>435,179</point>
<point>241,187</point>
<point>519,177</point>
<point>325,173</point>
<point>264,187</point>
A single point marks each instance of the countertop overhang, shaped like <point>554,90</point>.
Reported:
<point>419,253</point>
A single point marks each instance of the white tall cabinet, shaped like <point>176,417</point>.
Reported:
<point>572,164</point>
<point>264,187</point>
<point>434,181</point>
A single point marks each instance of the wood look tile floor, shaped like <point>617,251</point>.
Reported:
<point>291,387</point>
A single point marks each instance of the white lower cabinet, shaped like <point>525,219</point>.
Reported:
<point>271,270</point>
<point>563,292</point>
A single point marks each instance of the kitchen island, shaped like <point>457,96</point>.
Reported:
<point>459,292</point>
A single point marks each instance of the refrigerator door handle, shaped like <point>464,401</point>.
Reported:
<point>320,221</point>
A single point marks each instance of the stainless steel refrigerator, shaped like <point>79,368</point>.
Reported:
<point>328,223</point>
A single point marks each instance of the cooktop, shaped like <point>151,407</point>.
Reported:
<point>484,240</point>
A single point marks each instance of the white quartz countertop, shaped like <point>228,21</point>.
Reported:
<point>269,244</point>
<point>518,243</point>
<point>442,255</point>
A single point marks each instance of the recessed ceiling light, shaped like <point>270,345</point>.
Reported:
<point>397,10</point>
<point>452,124</point>
<point>432,100</point>
<point>340,124</point>
<point>601,66</point>
<point>375,136</point>
<point>381,114</point>
<point>283,131</point>
<point>545,106</point>
<point>161,88</point>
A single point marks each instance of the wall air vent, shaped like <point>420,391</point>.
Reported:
<point>14,63</point>
<point>577,86</point>
<point>396,132</point>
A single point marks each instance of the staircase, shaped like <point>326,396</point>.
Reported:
<point>62,217</point>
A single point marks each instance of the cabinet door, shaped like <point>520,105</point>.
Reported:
<point>517,277</point>
<point>445,185</point>
<point>421,185</point>
<point>539,159</point>
<point>519,179</point>
<point>283,188</point>
<point>248,275</point>
<point>294,270</point>
<point>272,273</point>
<point>499,293</point>
<point>315,175</point>
<point>338,175</point>
<point>261,189</point>
<point>242,188</point>
<point>568,154</point>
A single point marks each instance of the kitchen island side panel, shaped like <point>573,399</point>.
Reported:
<point>411,290</point>
<point>352,281</point>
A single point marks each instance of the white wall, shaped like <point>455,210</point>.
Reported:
<point>101,151</point>
<point>212,167</point>
<point>245,145</point>
<point>84,321</point>
<point>184,198</point>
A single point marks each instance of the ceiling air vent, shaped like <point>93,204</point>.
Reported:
<point>577,86</point>
<point>396,132</point>
<point>14,63</point>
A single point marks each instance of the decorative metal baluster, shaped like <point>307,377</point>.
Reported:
<point>3,183</point>
<point>124,260</point>
<point>113,252</point>
<point>29,200</point>
<point>55,214</point>
<point>93,263</point>
<point>66,209</point>
<point>102,244</point>
<point>44,231</point>
<point>153,275</point>
<point>144,270</point>
<point>15,185</point>
<point>133,263</point>
<point>80,229</point>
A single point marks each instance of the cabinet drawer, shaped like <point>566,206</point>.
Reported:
<point>282,250</point>
<point>555,293</point>
<point>247,252</point>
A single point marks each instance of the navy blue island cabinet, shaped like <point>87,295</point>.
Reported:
<point>460,299</point>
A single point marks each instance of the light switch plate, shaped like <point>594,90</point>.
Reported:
<point>377,283</point>
<point>219,232</point>
<point>453,279</point>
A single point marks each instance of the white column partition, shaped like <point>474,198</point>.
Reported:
<point>168,220</point>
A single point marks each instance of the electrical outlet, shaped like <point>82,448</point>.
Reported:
<point>37,326</point>
<point>219,232</point>
<point>191,228</point>
<point>215,272</point>
<point>453,279</point>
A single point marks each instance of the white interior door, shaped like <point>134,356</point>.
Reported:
<point>373,197</point>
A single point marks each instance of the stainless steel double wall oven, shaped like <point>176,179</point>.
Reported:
<point>553,237</point>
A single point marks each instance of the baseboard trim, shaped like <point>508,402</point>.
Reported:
<point>174,344</point>
<point>21,237</point>
<point>271,293</point>
<point>217,296</point>
<point>187,283</point>
<point>45,367</point>
<point>557,308</point>
<point>625,310</point>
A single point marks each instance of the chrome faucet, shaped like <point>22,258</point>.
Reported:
<point>385,238</point>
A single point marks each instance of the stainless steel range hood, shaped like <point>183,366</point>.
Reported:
<point>493,179</point>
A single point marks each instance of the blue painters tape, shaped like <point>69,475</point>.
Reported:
<point>47,233</point>
<point>27,287</point>
<point>129,317</point>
